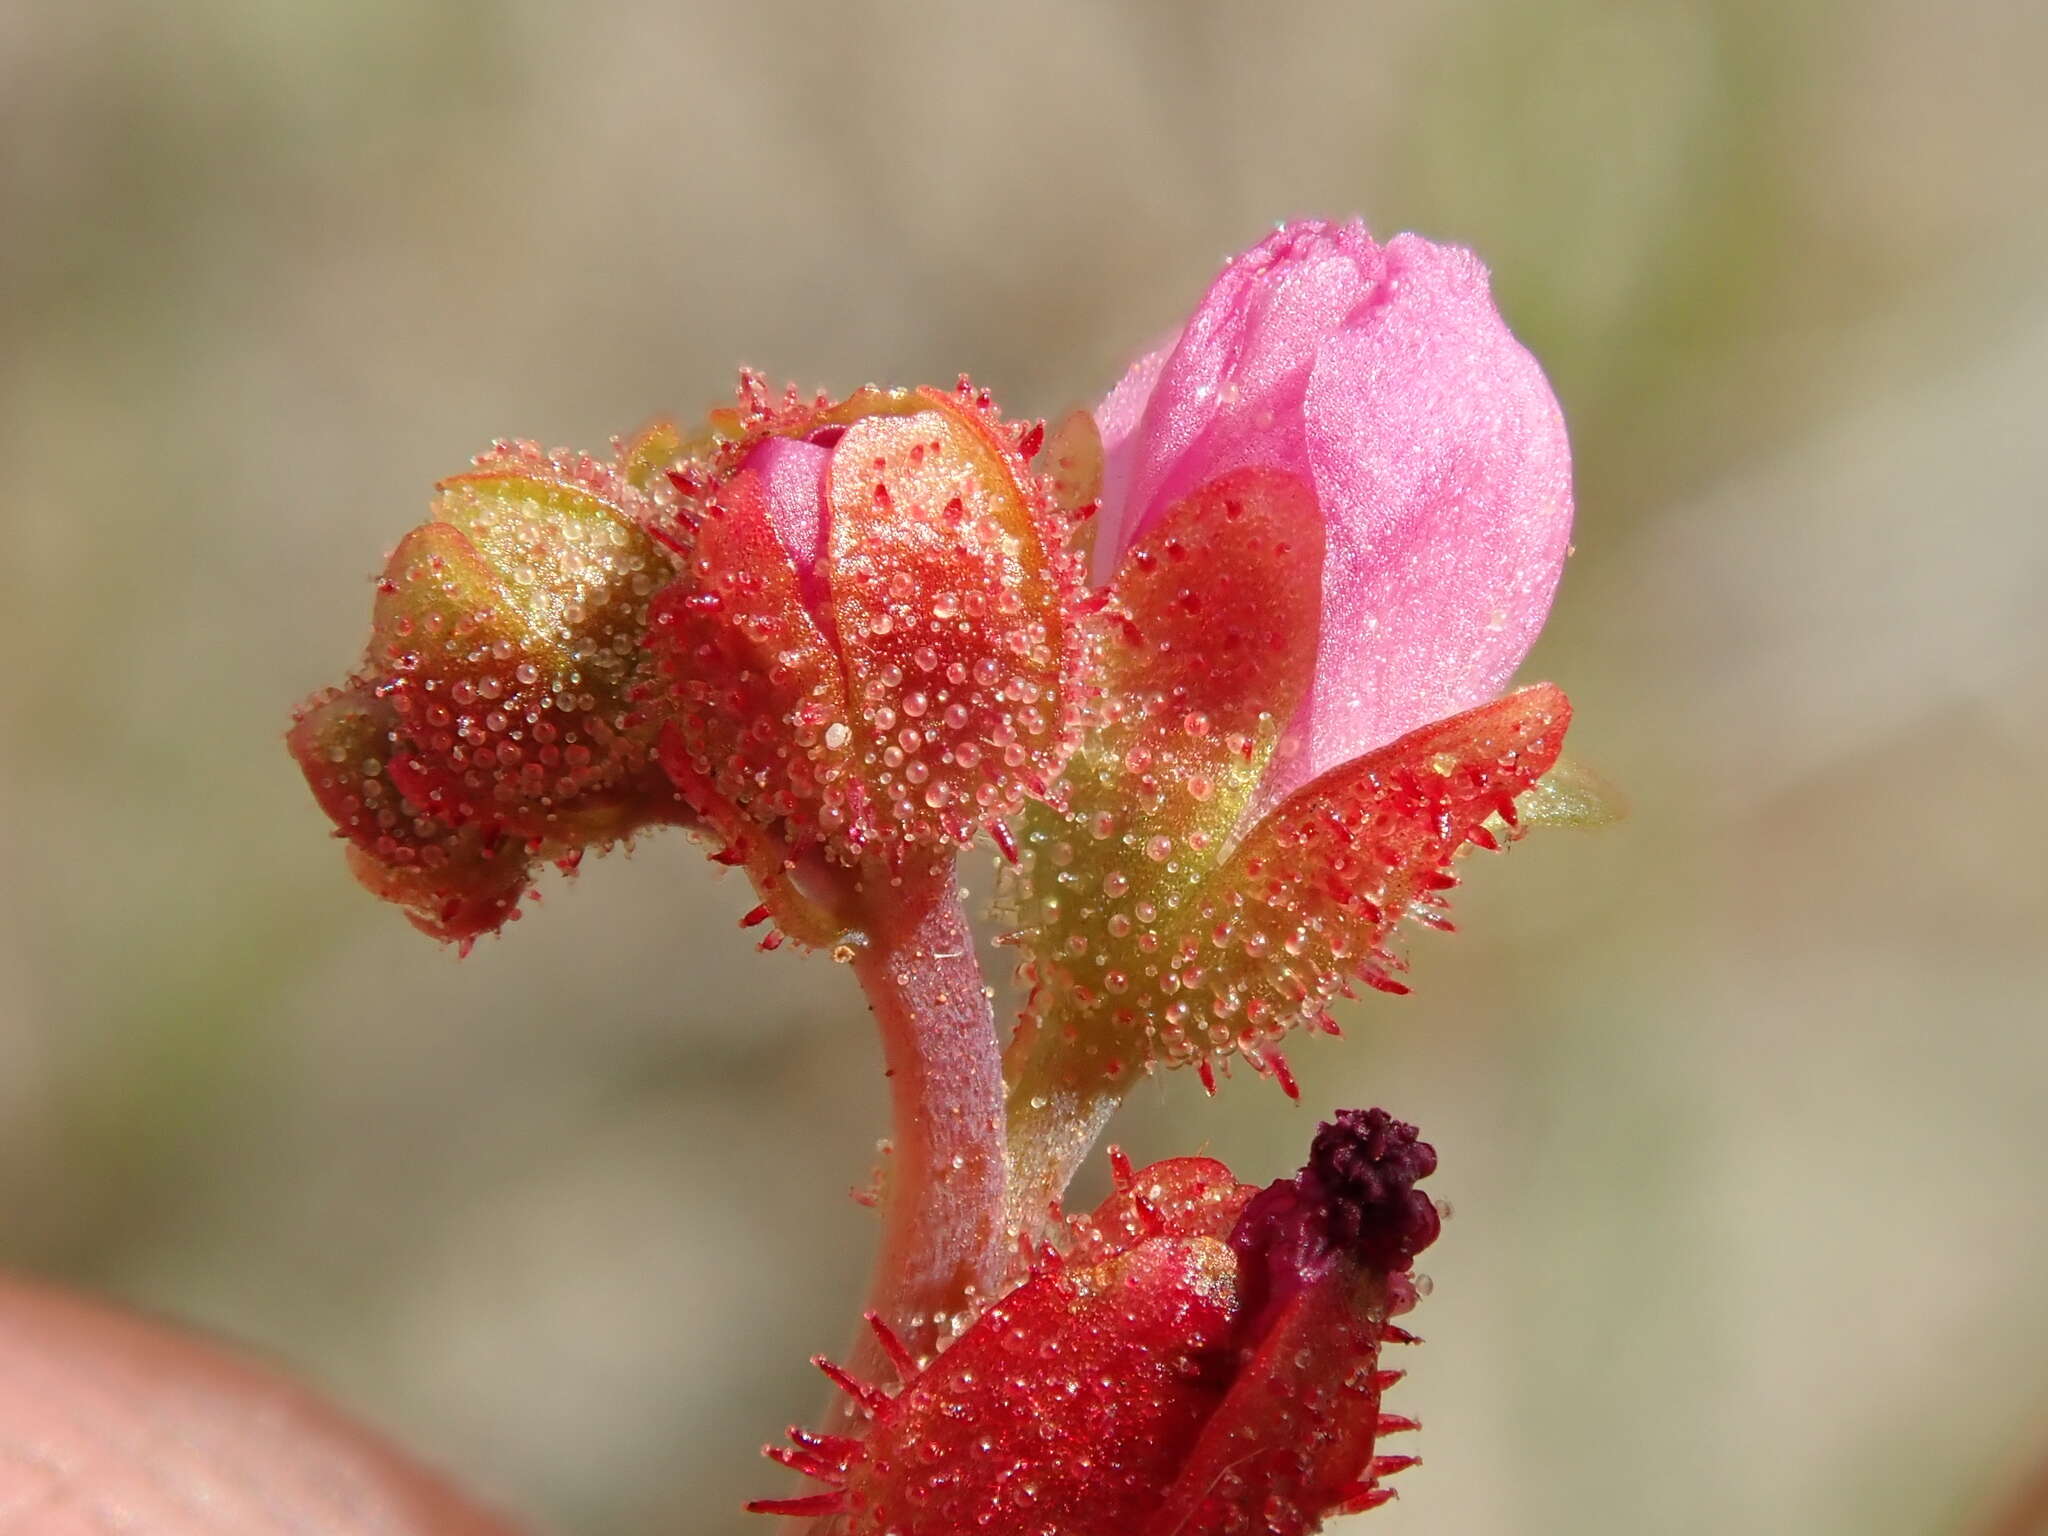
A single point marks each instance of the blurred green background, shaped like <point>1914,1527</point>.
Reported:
<point>1742,1105</point>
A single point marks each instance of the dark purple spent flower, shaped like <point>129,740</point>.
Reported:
<point>1362,1170</point>
<point>1355,1197</point>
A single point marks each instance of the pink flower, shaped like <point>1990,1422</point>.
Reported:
<point>1384,378</point>
<point>1333,512</point>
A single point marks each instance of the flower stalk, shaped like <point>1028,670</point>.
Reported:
<point>1053,1119</point>
<point>942,1246</point>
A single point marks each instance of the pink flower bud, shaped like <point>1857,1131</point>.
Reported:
<point>1384,378</point>
<point>871,652</point>
<point>1333,513</point>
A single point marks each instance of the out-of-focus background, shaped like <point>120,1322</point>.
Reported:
<point>1743,1105</point>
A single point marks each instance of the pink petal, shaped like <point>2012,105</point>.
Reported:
<point>793,473</point>
<point>1230,392</point>
<point>1117,419</point>
<point>1439,455</point>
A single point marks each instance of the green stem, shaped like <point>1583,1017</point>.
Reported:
<point>1055,1115</point>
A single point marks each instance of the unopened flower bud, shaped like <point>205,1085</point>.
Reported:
<point>1333,514</point>
<point>492,723</point>
<point>870,655</point>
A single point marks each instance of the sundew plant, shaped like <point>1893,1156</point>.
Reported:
<point>1215,671</point>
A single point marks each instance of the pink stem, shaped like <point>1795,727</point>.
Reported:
<point>943,1241</point>
<point>943,1247</point>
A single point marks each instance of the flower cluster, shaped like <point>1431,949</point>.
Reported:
<point>1216,666</point>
